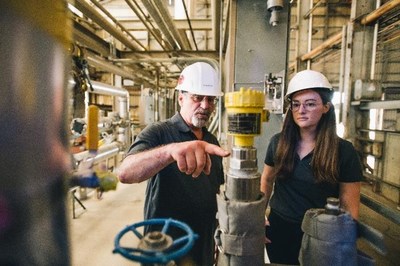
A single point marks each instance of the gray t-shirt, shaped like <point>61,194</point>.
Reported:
<point>173,194</point>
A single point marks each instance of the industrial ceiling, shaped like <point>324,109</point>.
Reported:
<point>147,41</point>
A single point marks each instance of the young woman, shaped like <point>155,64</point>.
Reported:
<point>305,164</point>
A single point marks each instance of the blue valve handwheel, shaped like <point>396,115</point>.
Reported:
<point>178,249</point>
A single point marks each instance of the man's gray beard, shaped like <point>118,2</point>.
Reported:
<point>199,123</point>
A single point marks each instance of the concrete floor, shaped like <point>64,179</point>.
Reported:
<point>93,230</point>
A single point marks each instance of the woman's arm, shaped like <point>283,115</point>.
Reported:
<point>267,181</point>
<point>349,195</point>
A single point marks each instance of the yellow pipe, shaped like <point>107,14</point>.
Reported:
<point>92,134</point>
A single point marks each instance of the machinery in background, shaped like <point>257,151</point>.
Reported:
<point>241,207</point>
<point>86,176</point>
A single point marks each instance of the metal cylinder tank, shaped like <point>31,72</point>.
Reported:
<point>33,140</point>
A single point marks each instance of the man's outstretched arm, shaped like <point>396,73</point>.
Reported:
<point>192,157</point>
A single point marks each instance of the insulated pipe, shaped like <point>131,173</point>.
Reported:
<point>326,44</point>
<point>342,71</point>
<point>123,97</point>
<point>103,152</point>
<point>174,60</point>
<point>89,11</point>
<point>92,60</point>
<point>123,101</point>
<point>163,10</point>
<point>377,13</point>
<point>33,141</point>
<point>92,134</point>
<point>241,207</point>
<point>105,89</point>
<point>140,14</point>
<point>105,11</point>
<point>374,45</point>
<point>159,21</point>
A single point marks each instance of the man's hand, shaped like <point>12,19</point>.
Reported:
<point>193,157</point>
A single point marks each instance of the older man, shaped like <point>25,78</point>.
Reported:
<point>183,162</point>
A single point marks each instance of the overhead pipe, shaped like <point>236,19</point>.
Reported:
<point>309,13</point>
<point>175,60</point>
<point>89,11</point>
<point>140,14</point>
<point>335,39</point>
<point>105,11</point>
<point>105,65</point>
<point>96,61</point>
<point>377,13</point>
<point>190,25</point>
<point>163,11</point>
<point>159,21</point>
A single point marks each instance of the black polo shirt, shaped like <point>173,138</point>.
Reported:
<point>173,194</point>
<point>293,196</point>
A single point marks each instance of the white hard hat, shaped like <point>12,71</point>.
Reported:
<point>200,78</point>
<point>307,79</point>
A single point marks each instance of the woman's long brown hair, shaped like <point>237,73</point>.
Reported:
<point>325,159</point>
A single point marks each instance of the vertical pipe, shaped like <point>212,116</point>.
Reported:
<point>92,129</point>
<point>341,70</point>
<point>221,45</point>
<point>374,44</point>
<point>33,141</point>
<point>310,22</point>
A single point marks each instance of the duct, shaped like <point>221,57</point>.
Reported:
<point>159,21</point>
<point>163,10</point>
<point>89,11</point>
<point>377,13</point>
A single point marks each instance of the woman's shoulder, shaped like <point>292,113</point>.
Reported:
<point>345,144</point>
<point>275,137</point>
<point>346,148</point>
